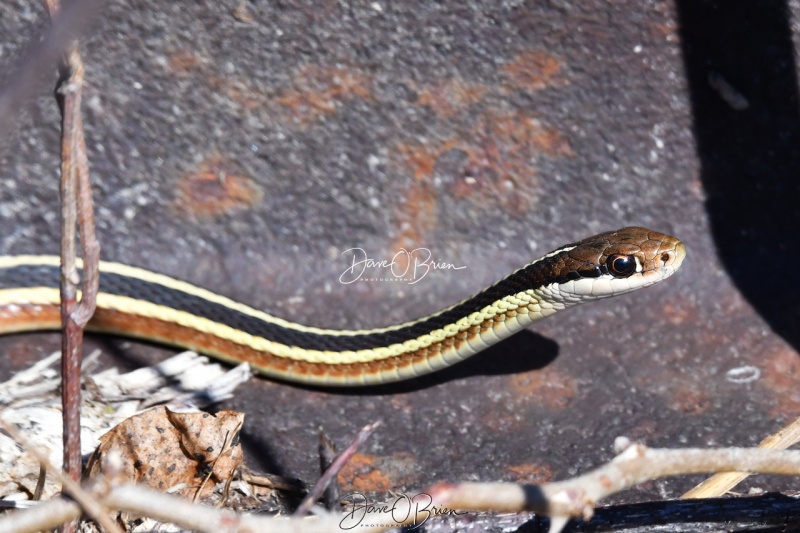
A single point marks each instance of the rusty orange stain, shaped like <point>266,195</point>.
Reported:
<point>643,431</point>
<point>182,61</point>
<point>215,188</point>
<point>530,473</point>
<point>689,399</point>
<point>314,91</point>
<point>450,97</point>
<point>781,377</point>
<point>666,25</point>
<point>240,91</point>
<point>503,421</point>
<point>421,159</point>
<point>549,386</point>
<point>415,218</point>
<point>242,13</point>
<point>681,312</point>
<point>318,90</point>
<point>497,173</point>
<point>533,70</point>
<point>371,473</point>
<point>416,215</point>
<point>361,475</point>
<point>401,403</point>
<point>520,131</point>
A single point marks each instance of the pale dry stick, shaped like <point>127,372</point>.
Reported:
<point>168,509</point>
<point>720,484</point>
<point>86,502</point>
<point>171,509</point>
<point>76,203</point>
<point>272,481</point>
<point>44,517</point>
<point>326,478</point>
<point>577,497</point>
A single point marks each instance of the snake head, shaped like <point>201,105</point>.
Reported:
<point>608,264</point>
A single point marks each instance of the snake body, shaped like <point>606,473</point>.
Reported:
<point>137,303</point>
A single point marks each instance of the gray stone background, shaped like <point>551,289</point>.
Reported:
<point>243,146</point>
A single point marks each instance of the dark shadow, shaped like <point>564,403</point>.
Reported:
<point>750,157</point>
<point>263,458</point>
<point>521,352</point>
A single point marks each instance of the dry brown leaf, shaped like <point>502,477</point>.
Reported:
<point>163,449</point>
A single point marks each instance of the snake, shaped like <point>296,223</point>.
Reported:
<point>133,302</point>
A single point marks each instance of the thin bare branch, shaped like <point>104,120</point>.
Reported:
<point>316,492</point>
<point>72,332</point>
<point>578,496</point>
<point>168,509</point>
<point>76,207</point>
<point>45,517</point>
<point>571,498</point>
<point>90,247</point>
<point>327,455</point>
<point>273,481</point>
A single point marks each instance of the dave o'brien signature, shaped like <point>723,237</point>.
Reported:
<point>410,266</point>
<point>419,508</point>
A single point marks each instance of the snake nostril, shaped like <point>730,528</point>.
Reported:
<point>665,257</point>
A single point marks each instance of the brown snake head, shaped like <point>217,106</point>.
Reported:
<point>607,264</point>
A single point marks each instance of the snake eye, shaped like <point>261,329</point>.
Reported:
<point>621,266</point>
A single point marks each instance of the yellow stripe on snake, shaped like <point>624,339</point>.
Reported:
<point>137,303</point>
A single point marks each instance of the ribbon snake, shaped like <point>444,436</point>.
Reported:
<point>137,303</point>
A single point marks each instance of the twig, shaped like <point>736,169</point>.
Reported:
<point>274,482</point>
<point>169,509</point>
<point>71,335</point>
<point>37,492</point>
<point>226,449</point>
<point>560,500</point>
<point>44,517</point>
<point>86,502</point>
<point>327,454</point>
<point>316,492</point>
<point>578,496</point>
<point>75,189</point>
<point>720,484</point>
